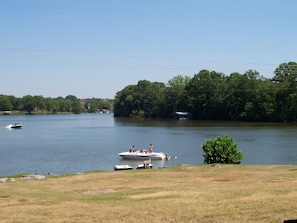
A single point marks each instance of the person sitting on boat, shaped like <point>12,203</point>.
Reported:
<point>151,148</point>
<point>132,149</point>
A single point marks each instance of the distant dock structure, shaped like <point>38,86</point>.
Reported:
<point>6,112</point>
<point>182,115</point>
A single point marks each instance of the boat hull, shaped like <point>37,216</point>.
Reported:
<point>16,126</point>
<point>122,167</point>
<point>142,155</point>
<point>144,166</point>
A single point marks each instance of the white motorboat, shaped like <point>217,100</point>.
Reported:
<point>143,155</point>
<point>14,126</point>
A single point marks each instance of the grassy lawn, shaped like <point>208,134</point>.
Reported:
<point>202,193</point>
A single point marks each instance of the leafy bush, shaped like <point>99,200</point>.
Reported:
<point>221,150</point>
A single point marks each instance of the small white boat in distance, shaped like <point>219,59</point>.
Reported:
<point>143,155</point>
<point>14,126</point>
<point>122,167</point>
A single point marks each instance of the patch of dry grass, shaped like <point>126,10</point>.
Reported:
<point>230,193</point>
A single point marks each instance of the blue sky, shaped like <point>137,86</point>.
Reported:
<point>95,48</point>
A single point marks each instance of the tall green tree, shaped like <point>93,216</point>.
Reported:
<point>253,96</point>
<point>173,96</point>
<point>5,104</point>
<point>151,99</point>
<point>16,103</point>
<point>71,98</point>
<point>263,105</point>
<point>204,95</point>
<point>55,105</point>
<point>237,95</point>
<point>93,106</point>
<point>68,105</point>
<point>285,76</point>
<point>125,102</point>
<point>76,107</point>
<point>62,105</point>
<point>40,103</point>
<point>29,103</point>
<point>141,100</point>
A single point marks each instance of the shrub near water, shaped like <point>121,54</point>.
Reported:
<point>221,150</point>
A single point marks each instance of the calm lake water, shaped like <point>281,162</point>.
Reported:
<point>77,143</point>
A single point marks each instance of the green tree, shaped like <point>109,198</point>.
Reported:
<point>16,103</point>
<point>151,99</point>
<point>54,105</point>
<point>204,95</point>
<point>40,103</point>
<point>93,106</point>
<point>256,102</point>
<point>172,98</point>
<point>141,100</point>
<point>5,104</point>
<point>221,150</point>
<point>62,105</point>
<point>29,103</point>
<point>285,76</point>
<point>76,107</point>
<point>235,97</point>
<point>263,101</point>
<point>71,98</point>
<point>125,102</point>
<point>68,105</point>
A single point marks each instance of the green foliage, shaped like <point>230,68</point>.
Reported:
<point>172,98</point>
<point>210,95</point>
<point>221,150</point>
<point>141,100</point>
<point>71,98</point>
<point>5,104</point>
<point>285,98</point>
<point>29,103</point>
<point>39,104</point>
<point>76,107</point>
<point>204,95</point>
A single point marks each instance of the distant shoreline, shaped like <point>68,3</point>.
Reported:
<point>35,113</point>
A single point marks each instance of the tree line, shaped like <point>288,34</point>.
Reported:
<point>39,104</point>
<point>211,95</point>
